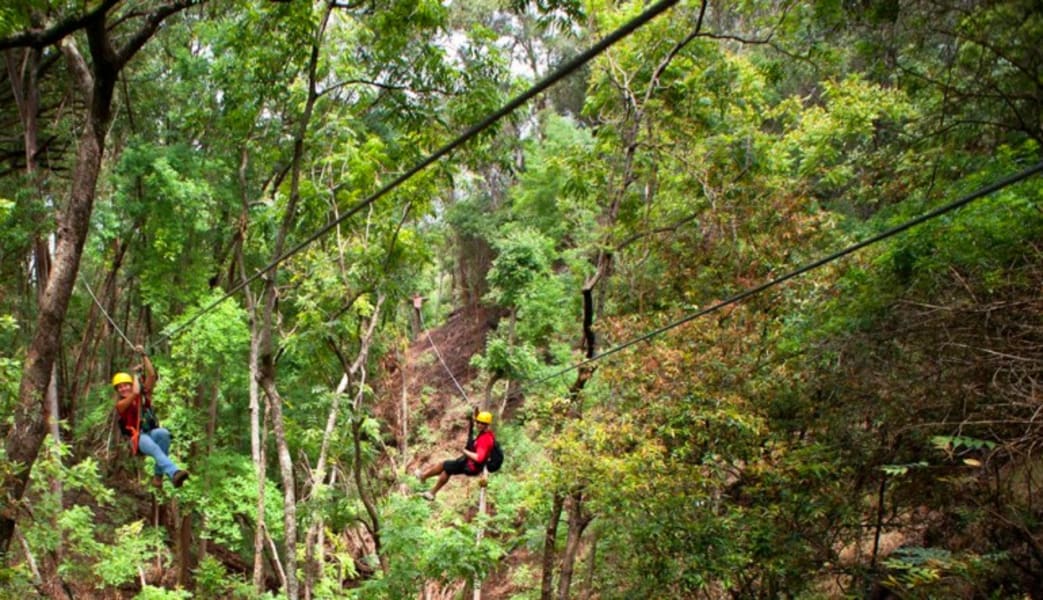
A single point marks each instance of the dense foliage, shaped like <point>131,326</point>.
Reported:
<point>324,315</point>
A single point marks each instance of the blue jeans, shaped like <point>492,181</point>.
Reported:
<point>156,444</point>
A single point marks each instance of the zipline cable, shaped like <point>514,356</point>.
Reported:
<point>104,312</point>
<point>980,193</point>
<point>560,73</point>
<point>440,359</point>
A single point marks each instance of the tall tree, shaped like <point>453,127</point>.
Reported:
<point>96,82</point>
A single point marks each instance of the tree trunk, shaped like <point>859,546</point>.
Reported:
<point>211,433</point>
<point>314,568</point>
<point>550,541</point>
<point>574,412</point>
<point>359,367</point>
<point>373,525</point>
<point>312,555</point>
<point>185,564</point>
<point>288,483</point>
<point>266,345</point>
<point>257,420</point>
<point>588,582</point>
<point>403,442</point>
<point>22,69</point>
<point>578,521</point>
<point>257,454</point>
<point>24,436</point>
<point>481,532</point>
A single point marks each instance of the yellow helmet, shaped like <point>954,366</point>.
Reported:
<point>484,417</point>
<point>119,378</point>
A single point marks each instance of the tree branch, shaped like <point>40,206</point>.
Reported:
<point>148,29</point>
<point>41,38</point>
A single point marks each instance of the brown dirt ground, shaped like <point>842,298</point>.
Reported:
<point>432,397</point>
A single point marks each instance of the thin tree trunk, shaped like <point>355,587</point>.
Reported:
<point>211,433</point>
<point>577,522</point>
<point>267,329</point>
<point>288,483</point>
<point>29,558</point>
<point>184,550</point>
<point>257,454</point>
<point>879,525</point>
<point>373,524</point>
<point>574,412</point>
<point>22,69</point>
<point>512,337</point>
<point>313,565</point>
<point>550,542</point>
<point>403,442</point>
<point>314,570</point>
<point>257,448</point>
<point>578,518</point>
<point>279,570</point>
<point>481,531</point>
<point>588,582</point>
<point>56,434</point>
<point>359,366</point>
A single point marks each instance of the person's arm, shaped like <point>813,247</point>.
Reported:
<point>482,446</point>
<point>122,404</point>
<point>150,372</point>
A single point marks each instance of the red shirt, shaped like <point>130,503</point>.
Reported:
<point>129,415</point>
<point>483,445</point>
<point>131,406</point>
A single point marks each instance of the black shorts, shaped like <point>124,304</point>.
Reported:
<point>458,467</point>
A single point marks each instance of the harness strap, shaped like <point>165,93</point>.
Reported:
<point>135,428</point>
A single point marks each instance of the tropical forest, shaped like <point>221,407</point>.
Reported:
<point>521,299</point>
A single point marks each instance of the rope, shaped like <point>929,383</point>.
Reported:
<point>104,312</point>
<point>440,359</point>
<point>980,193</point>
<point>558,74</point>
<point>138,405</point>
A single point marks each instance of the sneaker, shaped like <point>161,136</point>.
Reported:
<point>179,478</point>
<point>157,481</point>
<point>419,473</point>
<point>428,496</point>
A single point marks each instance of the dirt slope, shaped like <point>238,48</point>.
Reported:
<point>434,402</point>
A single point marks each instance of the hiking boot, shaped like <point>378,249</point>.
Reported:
<point>179,478</point>
<point>157,481</point>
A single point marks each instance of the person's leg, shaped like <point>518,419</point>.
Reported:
<point>149,446</point>
<point>161,436</point>
<point>442,479</point>
<point>431,471</point>
<point>447,469</point>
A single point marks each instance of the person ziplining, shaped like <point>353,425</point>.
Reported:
<point>477,456</point>
<point>138,421</point>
